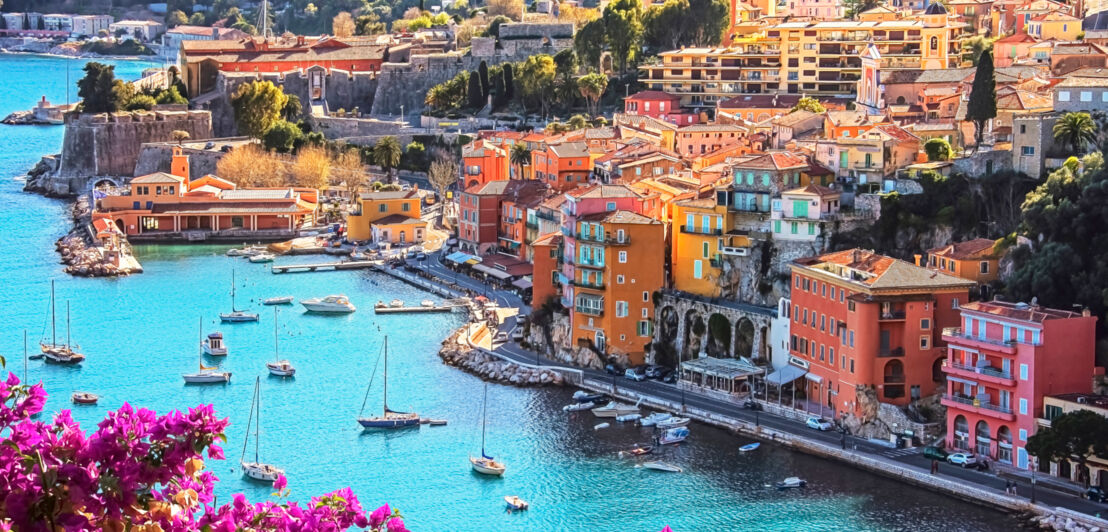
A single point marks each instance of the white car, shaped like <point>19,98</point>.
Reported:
<point>517,334</point>
<point>818,423</point>
<point>500,338</point>
<point>962,459</point>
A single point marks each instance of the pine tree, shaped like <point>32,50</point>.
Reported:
<point>483,71</point>
<point>473,92</point>
<point>982,100</point>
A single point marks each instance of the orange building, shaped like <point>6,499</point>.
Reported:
<point>484,161</point>
<point>975,260</point>
<point>704,138</point>
<point>171,206</point>
<point>848,124</point>
<point>563,167</point>
<point>545,280</point>
<point>618,267</point>
<point>391,216</point>
<point>860,319</point>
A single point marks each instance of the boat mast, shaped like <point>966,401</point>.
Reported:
<point>249,421</point>
<point>232,290</point>
<point>53,318</point>
<point>24,356</point>
<point>386,401</point>
<point>201,353</point>
<point>257,419</point>
<point>67,324</point>
<point>484,413</point>
<point>276,351</point>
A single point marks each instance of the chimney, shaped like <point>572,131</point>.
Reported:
<point>180,165</point>
<point>300,40</point>
<point>857,255</point>
<point>1085,312</point>
<point>215,34</point>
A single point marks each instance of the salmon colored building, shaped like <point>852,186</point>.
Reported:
<point>545,279</point>
<point>975,260</point>
<point>564,166</point>
<point>483,161</point>
<point>171,206</point>
<point>1002,359</point>
<point>617,269</point>
<point>860,319</point>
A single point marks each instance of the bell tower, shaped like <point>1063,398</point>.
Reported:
<point>935,38</point>
<point>870,92</point>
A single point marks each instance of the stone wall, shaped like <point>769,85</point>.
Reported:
<point>158,156</point>
<point>336,128</point>
<point>103,144</point>
<point>982,163</point>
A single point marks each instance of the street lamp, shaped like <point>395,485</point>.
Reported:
<point>1034,463</point>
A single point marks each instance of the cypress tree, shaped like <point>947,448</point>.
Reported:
<point>982,100</point>
<point>509,83</point>
<point>498,89</point>
<point>483,71</point>
<point>473,92</point>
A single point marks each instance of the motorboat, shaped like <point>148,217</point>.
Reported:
<point>278,367</point>
<point>639,451</point>
<point>672,422</point>
<point>577,407</point>
<point>236,315</point>
<point>63,355</point>
<point>628,417</point>
<point>601,426</point>
<point>749,447</point>
<point>262,257</point>
<point>329,305</point>
<point>84,398</point>
<point>245,251</point>
<point>389,419</point>
<point>358,255</point>
<point>791,483</point>
<point>654,419</point>
<point>396,303</point>
<point>283,300</point>
<point>214,346</point>
<point>515,503</point>
<point>54,352</point>
<point>257,469</point>
<point>614,409</point>
<point>674,435</point>
<point>485,464</point>
<point>426,303</point>
<point>207,374</point>
<point>659,465</point>
<point>582,396</point>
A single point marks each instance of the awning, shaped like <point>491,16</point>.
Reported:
<point>785,375</point>
<point>522,284</point>
<point>461,257</point>
<point>813,377</point>
<point>727,368</point>
<point>493,272</point>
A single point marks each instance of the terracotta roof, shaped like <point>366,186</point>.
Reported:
<point>1019,311</point>
<point>394,219</point>
<point>225,207</point>
<point>978,247</point>
<point>619,217</point>
<point>898,133</point>
<point>848,118</point>
<point>157,177</point>
<point>711,128</point>
<point>554,202</point>
<point>477,148</point>
<point>760,101</point>
<point>604,191</point>
<point>390,194</point>
<point>570,149</point>
<point>815,190</point>
<point>876,271</point>
<point>653,95</point>
<point>794,118</point>
<point>552,239</point>
<point>1023,101</point>
<point>1016,38</point>
<point>778,160</point>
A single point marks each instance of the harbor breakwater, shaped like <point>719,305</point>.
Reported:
<point>457,352</point>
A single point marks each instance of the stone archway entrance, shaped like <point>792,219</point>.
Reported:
<point>685,311</point>
<point>719,336</point>
<point>744,338</point>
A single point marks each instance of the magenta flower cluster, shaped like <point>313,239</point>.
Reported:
<point>142,472</point>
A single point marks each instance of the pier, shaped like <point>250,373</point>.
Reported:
<point>325,266</point>
<point>445,307</point>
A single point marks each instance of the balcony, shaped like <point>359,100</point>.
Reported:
<point>616,240</point>
<point>892,315</point>
<point>894,352</point>
<point>532,225</point>
<point>693,230</point>
<point>986,374</point>
<point>895,379</point>
<point>955,335</point>
<point>589,285</point>
<point>596,265</point>
<point>973,405</point>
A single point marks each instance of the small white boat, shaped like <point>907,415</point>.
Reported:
<point>791,483</point>
<point>628,417</point>
<point>84,398</point>
<point>673,422</point>
<point>245,251</point>
<point>257,469</point>
<point>749,447</point>
<point>601,426</point>
<point>485,464</point>
<point>654,419</point>
<point>207,374</point>
<point>278,367</point>
<point>358,255</point>
<point>283,300</point>
<point>614,409</point>
<point>396,303</point>
<point>427,303</point>
<point>262,257</point>
<point>577,407</point>
<point>214,346</point>
<point>673,436</point>
<point>263,472</point>
<point>236,315</point>
<point>329,304</point>
<point>659,465</point>
<point>515,503</point>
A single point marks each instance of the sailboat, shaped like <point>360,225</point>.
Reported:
<point>237,315</point>
<point>257,470</point>
<point>389,419</point>
<point>53,351</point>
<point>207,374</point>
<point>486,464</point>
<point>280,368</point>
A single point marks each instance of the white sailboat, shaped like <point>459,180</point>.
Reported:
<point>389,419</point>
<point>280,368</point>
<point>235,314</point>
<point>59,353</point>
<point>257,469</point>
<point>207,374</point>
<point>486,464</point>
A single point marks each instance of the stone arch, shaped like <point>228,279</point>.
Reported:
<point>473,182</point>
<point>694,332</point>
<point>900,100</point>
<point>937,374</point>
<point>961,432</point>
<point>743,342</point>
<point>982,438</point>
<point>102,181</point>
<point>719,335</point>
<point>668,324</point>
<point>893,380</point>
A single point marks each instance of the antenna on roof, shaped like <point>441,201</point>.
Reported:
<point>264,21</point>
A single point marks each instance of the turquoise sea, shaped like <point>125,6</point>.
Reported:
<point>140,334</point>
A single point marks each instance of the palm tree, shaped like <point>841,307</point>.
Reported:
<point>386,153</point>
<point>520,156</point>
<point>1075,129</point>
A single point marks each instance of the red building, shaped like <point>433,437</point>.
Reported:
<point>860,319</point>
<point>563,166</point>
<point>483,161</point>
<point>479,209</point>
<point>659,105</point>
<point>545,283</point>
<point>1002,359</point>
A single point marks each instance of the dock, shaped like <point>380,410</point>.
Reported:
<point>324,266</point>
<point>445,307</point>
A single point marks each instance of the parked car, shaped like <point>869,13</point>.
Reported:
<point>934,453</point>
<point>670,377</point>
<point>613,369</point>
<point>635,374</point>
<point>411,254</point>
<point>818,423</point>
<point>751,404</point>
<point>501,337</point>
<point>1096,494</point>
<point>421,256</point>
<point>654,371</point>
<point>517,334</point>
<point>962,459</point>
<point>521,319</point>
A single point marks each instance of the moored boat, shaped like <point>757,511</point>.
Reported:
<point>576,407</point>
<point>515,503</point>
<point>59,353</point>
<point>396,303</point>
<point>614,409</point>
<point>389,419</point>
<point>582,396</point>
<point>791,483</point>
<point>329,305</point>
<point>749,447</point>
<point>262,257</point>
<point>654,419</point>
<point>674,435</point>
<point>672,422</point>
<point>214,345</point>
<point>207,374</point>
<point>236,315</point>
<point>601,426</point>
<point>628,417</point>
<point>84,398</point>
<point>282,300</point>
<point>486,464</point>
<point>257,469</point>
<point>278,367</point>
<point>427,303</point>
<point>638,451</point>
<point>659,465</point>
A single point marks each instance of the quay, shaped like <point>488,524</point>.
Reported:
<point>326,266</point>
<point>447,307</point>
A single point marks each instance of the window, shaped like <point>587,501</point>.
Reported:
<point>797,279</point>
<point>697,269</point>
<point>1023,434</point>
<point>704,249</point>
<point>821,352</point>
<point>1023,407</point>
<point>1023,128</point>
<point>645,312</point>
<point>1063,96</point>
<point>831,355</point>
<point>622,257</point>
<point>850,306</point>
<point>823,290</point>
<point>1023,372</point>
<point>611,205</point>
<point>807,285</point>
<point>382,208</point>
<point>822,322</point>
<point>645,328</point>
<point>934,43</point>
<point>924,342</point>
<point>852,365</point>
<point>852,345</point>
<point>621,309</point>
<point>406,207</point>
<point>1086,96</point>
<point>954,303</point>
<point>805,320</point>
<point>619,279</point>
<point>925,324</point>
<point>984,266</point>
<point>842,295</point>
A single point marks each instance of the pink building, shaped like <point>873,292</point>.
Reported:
<point>1000,364</point>
<point>659,105</point>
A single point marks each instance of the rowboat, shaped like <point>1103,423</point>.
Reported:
<point>749,447</point>
<point>658,465</point>
<point>791,483</point>
<point>283,300</point>
<point>515,503</point>
<point>639,451</point>
<point>84,398</point>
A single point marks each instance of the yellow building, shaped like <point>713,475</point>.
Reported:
<point>1055,25</point>
<point>392,216</point>
<point>811,58</point>
<point>697,241</point>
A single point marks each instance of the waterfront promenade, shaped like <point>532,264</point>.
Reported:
<point>1050,493</point>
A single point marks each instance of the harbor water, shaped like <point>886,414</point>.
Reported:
<point>141,333</point>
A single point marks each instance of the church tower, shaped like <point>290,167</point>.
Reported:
<point>870,95</point>
<point>935,38</point>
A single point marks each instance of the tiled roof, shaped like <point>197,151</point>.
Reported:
<point>898,133</point>
<point>695,128</point>
<point>1016,38</point>
<point>552,239</point>
<point>478,147</point>
<point>794,118</point>
<point>604,191</point>
<point>1019,311</point>
<point>394,219</point>
<point>653,96</point>
<point>978,247</point>
<point>778,160</point>
<point>1072,81</point>
<point>226,208</point>
<point>815,190</point>
<point>945,75</point>
<point>264,193</point>
<point>620,217</point>
<point>760,101</point>
<point>900,76</point>
<point>157,177</point>
<point>848,118</point>
<point>390,194</point>
<point>571,149</point>
<point>880,272</point>
<point>1023,101</point>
